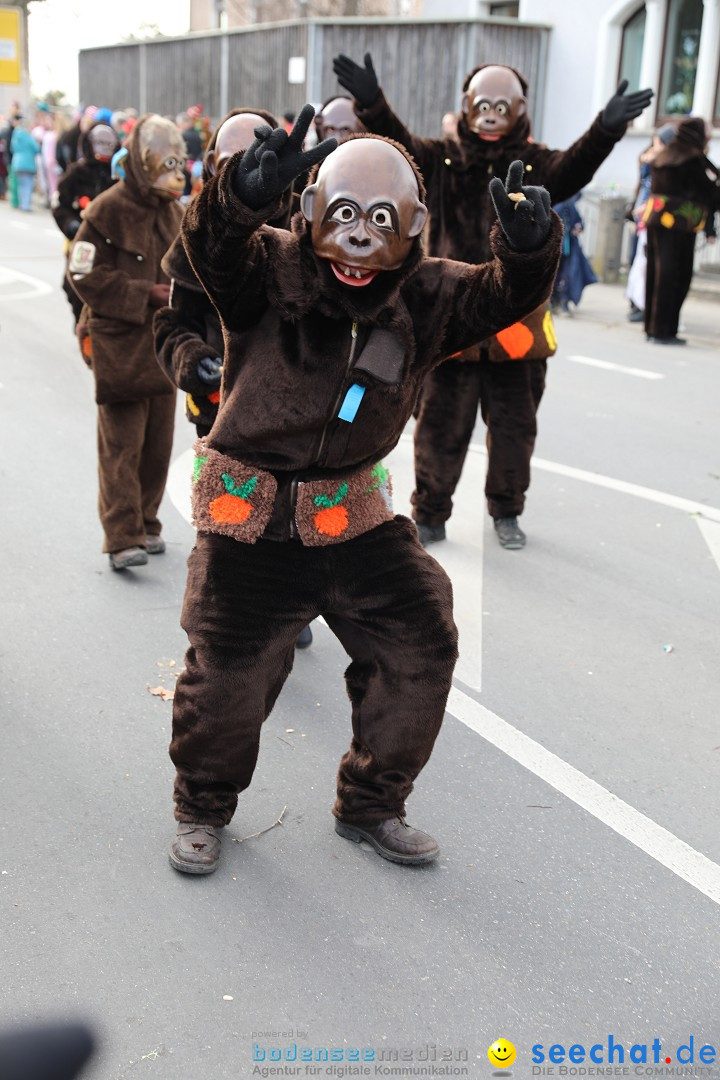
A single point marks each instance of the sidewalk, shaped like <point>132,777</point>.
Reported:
<point>700,316</point>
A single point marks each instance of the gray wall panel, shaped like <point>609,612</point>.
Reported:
<point>421,65</point>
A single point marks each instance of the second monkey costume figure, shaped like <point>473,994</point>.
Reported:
<point>329,331</point>
<point>505,375</point>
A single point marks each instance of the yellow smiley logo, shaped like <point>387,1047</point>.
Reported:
<point>501,1053</point>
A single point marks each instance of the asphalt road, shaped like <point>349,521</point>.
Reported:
<point>574,787</point>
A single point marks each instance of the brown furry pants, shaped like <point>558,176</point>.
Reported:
<point>388,603</point>
<point>509,394</point>
<point>134,446</point>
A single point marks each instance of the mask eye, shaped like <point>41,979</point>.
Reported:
<point>172,163</point>
<point>344,214</point>
<point>501,109</point>
<point>382,218</point>
<point>484,107</point>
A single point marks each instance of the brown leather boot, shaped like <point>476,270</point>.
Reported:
<point>394,839</point>
<point>196,848</point>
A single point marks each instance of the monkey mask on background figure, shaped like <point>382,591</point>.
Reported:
<point>337,118</point>
<point>365,210</point>
<point>236,133</point>
<point>493,102</point>
<point>104,142</point>
<point>162,151</point>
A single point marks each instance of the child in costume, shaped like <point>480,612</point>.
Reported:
<point>329,331</point>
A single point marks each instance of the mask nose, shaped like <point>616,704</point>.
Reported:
<point>359,236</point>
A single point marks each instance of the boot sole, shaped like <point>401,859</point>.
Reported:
<point>357,835</point>
<point>512,545</point>
<point>191,868</point>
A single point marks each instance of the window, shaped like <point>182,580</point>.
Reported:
<point>510,11</point>
<point>682,41</point>
<point>633,35</point>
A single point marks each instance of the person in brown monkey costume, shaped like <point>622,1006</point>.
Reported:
<point>329,331</point>
<point>115,269</point>
<point>188,335</point>
<point>505,375</point>
<point>337,119</point>
<point>83,181</point>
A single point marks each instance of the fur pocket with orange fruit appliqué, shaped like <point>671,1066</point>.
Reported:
<point>230,498</point>
<point>331,511</point>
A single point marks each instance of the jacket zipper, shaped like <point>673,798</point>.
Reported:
<point>293,506</point>
<point>338,399</point>
<point>323,437</point>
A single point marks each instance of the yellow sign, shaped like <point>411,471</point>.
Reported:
<point>10,45</point>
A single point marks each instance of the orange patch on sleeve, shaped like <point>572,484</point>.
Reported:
<point>516,340</point>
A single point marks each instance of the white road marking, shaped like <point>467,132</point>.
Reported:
<point>711,532</point>
<point>663,846</point>
<point>640,373</point>
<point>11,277</point>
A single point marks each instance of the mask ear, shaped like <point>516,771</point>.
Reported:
<point>465,103</point>
<point>418,221</point>
<point>307,202</point>
<point>210,162</point>
<point>521,107</point>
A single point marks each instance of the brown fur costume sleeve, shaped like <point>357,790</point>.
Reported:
<point>226,244</point>
<point>178,333</point>
<point>475,302</point>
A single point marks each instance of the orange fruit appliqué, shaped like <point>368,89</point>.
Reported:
<point>230,510</point>
<point>516,340</point>
<point>332,521</point>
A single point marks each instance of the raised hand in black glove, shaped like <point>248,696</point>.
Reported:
<point>271,163</point>
<point>524,212</point>
<point>209,370</point>
<point>362,82</point>
<point>620,110</point>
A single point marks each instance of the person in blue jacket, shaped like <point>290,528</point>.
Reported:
<point>24,150</point>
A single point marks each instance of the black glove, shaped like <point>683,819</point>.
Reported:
<point>209,370</point>
<point>273,161</point>
<point>525,222</point>
<point>620,110</point>
<point>72,227</point>
<point>361,82</point>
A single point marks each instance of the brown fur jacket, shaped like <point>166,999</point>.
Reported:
<point>290,356</point>
<point>113,264</point>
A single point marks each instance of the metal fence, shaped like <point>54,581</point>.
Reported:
<point>421,65</point>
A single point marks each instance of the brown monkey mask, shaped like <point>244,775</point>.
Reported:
<point>104,142</point>
<point>162,152</point>
<point>493,103</point>
<point>337,119</point>
<point>237,133</point>
<point>365,210</point>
